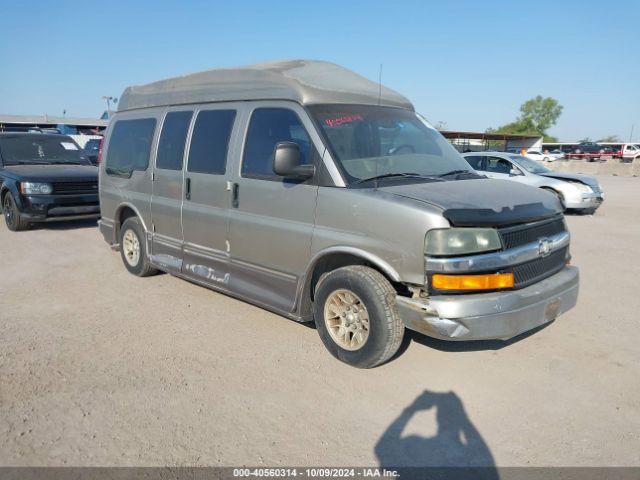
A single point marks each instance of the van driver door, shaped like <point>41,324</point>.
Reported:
<point>272,218</point>
<point>167,193</point>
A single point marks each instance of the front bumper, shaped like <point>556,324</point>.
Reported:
<point>47,208</point>
<point>497,315</point>
<point>584,201</point>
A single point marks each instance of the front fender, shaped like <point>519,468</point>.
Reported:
<point>10,185</point>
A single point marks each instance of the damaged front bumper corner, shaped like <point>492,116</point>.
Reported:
<point>496,315</point>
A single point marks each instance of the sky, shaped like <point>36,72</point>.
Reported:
<point>467,64</point>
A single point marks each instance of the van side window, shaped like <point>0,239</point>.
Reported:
<point>269,126</point>
<point>130,146</point>
<point>210,141</point>
<point>172,140</point>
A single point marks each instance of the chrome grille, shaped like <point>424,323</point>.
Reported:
<point>538,269</point>
<point>522,234</point>
<point>75,187</point>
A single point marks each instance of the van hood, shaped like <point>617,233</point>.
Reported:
<point>54,173</point>
<point>482,202</point>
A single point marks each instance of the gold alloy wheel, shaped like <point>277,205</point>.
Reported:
<point>131,248</point>
<point>346,319</point>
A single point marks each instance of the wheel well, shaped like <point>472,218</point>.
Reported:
<point>552,190</point>
<point>3,193</point>
<point>332,262</point>
<point>121,216</point>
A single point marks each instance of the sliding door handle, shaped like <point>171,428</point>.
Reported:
<point>187,188</point>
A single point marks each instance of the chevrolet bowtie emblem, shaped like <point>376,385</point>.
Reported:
<point>544,247</point>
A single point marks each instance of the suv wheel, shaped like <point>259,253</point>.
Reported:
<point>357,317</point>
<point>133,250</point>
<point>12,216</point>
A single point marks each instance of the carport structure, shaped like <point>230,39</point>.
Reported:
<point>477,141</point>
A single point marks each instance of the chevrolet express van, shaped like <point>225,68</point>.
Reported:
<point>308,190</point>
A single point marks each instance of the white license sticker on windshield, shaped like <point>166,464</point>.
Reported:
<point>69,146</point>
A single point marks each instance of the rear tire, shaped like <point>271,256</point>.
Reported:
<point>133,248</point>
<point>357,317</point>
<point>12,217</point>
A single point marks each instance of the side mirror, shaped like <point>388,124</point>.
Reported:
<point>286,161</point>
<point>514,172</point>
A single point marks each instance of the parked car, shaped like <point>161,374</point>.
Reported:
<point>44,177</point>
<point>612,150</point>
<point>91,150</point>
<point>556,154</point>
<point>320,195</point>
<point>579,192</point>
<point>629,151</point>
<point>540,156</point>
<point>588,151</point>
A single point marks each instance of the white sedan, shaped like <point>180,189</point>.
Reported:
<point>539,156</point>
<point>578,192</point>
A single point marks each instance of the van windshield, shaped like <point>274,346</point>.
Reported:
<point>371,142</point>
<point>40,149</point>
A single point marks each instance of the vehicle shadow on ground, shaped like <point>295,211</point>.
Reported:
<point>65,225</point>
<point>452,346</point>
<point>457,443</point>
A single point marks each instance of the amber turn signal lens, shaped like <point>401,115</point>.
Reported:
<point>492,281</point>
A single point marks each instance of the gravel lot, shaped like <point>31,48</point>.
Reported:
<point>98,367</point>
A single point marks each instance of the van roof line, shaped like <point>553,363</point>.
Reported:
<point>307,82</point>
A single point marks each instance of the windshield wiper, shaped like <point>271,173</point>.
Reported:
<point>391,175</point>
<point>457,172</point>
<point>62,162</point>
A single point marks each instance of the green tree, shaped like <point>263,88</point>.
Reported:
<point>541,113</point>
<point>609,139</point>
<point>537,115</point>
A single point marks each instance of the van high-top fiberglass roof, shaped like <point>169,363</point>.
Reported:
<point>307,82</point>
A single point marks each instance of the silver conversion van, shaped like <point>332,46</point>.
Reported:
<point>308,190</point>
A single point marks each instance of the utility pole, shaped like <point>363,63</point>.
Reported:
<point>631,134</point>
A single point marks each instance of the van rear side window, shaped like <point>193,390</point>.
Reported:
<point>172,140</point>
<point>210,141</point>
<point>130,146</point>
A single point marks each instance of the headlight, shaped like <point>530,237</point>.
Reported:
<point>31,188</point>
<point>460,241</point>
<point>581,187</point>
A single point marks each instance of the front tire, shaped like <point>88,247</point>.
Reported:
<point>357,317</point>
<point>12,217</point>
<point>133,248</point>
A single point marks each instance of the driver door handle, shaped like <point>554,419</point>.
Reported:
<point>234,195</point>
<point>187,188</point>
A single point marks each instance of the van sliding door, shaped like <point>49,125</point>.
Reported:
<point>205,209</point>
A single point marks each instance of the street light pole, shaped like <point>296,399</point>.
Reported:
<point>109,100</point>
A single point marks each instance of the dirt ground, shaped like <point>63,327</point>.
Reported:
<point>98,367</point>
